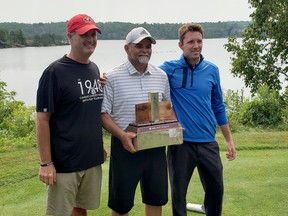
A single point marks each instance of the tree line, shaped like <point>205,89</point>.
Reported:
<point>50,34</point>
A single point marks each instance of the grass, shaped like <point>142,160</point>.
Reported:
<point>256,183</point>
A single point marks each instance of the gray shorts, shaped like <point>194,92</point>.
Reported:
<point>78,189</point>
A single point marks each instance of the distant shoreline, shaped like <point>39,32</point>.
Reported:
<point>51,34</point>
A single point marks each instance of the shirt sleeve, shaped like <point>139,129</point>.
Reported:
<point>218,104</point>
<point>108,97</point>
<point>47,92</point>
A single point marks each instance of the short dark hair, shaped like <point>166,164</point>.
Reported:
<point>189,27</point>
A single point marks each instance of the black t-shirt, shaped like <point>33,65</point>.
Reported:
<point>73,94</point>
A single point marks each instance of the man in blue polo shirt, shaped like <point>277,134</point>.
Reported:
<point>197,101</point>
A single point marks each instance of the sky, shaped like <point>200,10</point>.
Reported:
<point>150,11</point>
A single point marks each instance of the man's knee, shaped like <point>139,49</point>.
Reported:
<point>79,212</point>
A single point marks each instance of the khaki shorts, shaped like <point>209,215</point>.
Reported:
<point>79,189</point>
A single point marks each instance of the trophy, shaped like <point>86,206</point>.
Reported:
<point>155,126</point>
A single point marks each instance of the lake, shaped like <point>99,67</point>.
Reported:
<point>21,68</point>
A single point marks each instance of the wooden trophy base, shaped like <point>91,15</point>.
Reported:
<point>153,135</point>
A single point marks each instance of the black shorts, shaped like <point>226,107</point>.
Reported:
<point>127,169</point>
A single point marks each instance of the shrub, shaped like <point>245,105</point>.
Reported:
<point>234,101</point>
<point>264,110</point>
<point>17,122</point>
<point>20,122</point>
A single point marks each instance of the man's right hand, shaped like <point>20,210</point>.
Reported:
<point>127,143</point>
<point>47,174</point>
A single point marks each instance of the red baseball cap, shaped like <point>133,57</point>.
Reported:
<point>81,24</point>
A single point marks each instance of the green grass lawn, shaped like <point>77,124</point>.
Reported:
<point>256,183</point>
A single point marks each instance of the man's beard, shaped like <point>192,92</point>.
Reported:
<point>143,59</point>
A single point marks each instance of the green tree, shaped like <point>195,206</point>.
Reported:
<point>16,38</point>
<point>262,55</point>
<point>20,38</point>
<point>48,40</point>
<point>3,35</point>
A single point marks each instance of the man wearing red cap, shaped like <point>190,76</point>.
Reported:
<point>68,125</point>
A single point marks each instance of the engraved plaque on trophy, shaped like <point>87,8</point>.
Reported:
<point>155,125</point>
